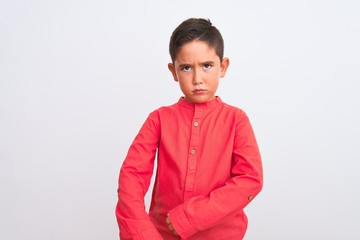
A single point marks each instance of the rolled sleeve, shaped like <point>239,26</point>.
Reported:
<point>181,222</point>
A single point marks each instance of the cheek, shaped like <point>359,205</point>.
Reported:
<point>184,78</point>
<point>215,79</point>
<point>215,84</point>
<point>185,84</point>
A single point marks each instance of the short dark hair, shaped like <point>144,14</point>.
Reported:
<point>196,29</point>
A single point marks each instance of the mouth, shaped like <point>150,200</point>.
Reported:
<point>199,91</point>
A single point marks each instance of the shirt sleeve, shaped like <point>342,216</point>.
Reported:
<point>202,212</point>
<point>134,180</point>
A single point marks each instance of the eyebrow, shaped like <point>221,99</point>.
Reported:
<point>186,64</point>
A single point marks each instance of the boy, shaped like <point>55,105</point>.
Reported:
<point>209,166</point>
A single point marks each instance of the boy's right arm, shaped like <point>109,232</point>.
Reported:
<point>134,181</point>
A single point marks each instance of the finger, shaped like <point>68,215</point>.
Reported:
<point>168,221</point>
<point>171,227</point>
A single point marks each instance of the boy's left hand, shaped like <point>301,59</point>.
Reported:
<point>170,226</point>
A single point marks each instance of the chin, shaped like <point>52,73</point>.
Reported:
<point>199,100</point>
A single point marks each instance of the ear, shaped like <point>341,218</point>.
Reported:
<point>171,67</point>
<point>224,65</point>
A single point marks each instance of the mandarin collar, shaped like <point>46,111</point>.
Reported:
<point>210,104</point>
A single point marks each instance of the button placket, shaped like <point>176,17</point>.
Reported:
<point>193,153</point>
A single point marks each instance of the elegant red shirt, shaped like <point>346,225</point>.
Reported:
<point>208,169</point>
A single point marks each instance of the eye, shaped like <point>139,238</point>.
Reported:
<point>186,68</point>
<point>207,66</point>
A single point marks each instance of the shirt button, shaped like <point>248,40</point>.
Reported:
<point>196,124</point>
<point>192,151</point>
<point>250,197</point>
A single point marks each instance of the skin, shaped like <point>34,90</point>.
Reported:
<point>198,69</point>
<point>170,226</point>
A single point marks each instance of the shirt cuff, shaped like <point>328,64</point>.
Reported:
<point>181,223</point>
<point>150,234</point>
<point>143,235</point>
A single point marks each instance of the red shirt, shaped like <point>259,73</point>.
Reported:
<point>208,169</point>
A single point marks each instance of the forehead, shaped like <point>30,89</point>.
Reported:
<point>196,51</point>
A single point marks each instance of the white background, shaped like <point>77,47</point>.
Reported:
<point>78,78</point>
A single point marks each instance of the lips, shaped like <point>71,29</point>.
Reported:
<point>199,91</point>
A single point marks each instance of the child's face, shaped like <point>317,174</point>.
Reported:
<point>198,69</point>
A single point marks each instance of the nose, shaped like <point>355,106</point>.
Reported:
<point>197,77</point>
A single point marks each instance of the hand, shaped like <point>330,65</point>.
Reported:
<point>170,226</point>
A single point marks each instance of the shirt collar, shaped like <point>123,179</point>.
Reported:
<point>210,104</point>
